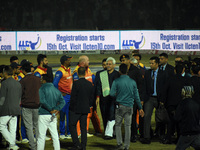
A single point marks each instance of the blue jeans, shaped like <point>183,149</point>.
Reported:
<point>123,112</point>
<point>65,112</point>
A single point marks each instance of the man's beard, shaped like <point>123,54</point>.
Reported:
<point>45,65</point>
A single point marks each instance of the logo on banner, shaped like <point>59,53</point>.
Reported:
<point>30,45</point>
<point>133,44</point>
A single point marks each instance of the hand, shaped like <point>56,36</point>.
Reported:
<point>161,103</point>
<point>64,94</point>
<point>54,111</point>
<point>141,112</point>
<point>97,101</point>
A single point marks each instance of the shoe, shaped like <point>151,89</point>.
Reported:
<point>76,148</point>
<point>145,141</point>
<point>69,136</point>
<point>17,141</point>
<point>24,141</point>
<point>79,136</point>
<point>133,139</point>
<point>126,148</point>
<point>89,135</point>
<point>119,147</point>
<point>13,147</point>
<point>108,137</point>
<point>62,137</point>
<point>47,138</point>
<point>97,134</point>
<point>167,142</point>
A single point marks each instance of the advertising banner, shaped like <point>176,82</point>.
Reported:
<point>75,40</point>
<point>161,40</point>
<point>7,41</point>
<point>167,40</point>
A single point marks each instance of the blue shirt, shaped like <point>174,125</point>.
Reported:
<point>155,79</point>
<point>126,92</point>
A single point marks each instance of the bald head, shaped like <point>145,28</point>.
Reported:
<point>83,61</point>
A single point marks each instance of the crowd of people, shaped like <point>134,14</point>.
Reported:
<point>33,98</point>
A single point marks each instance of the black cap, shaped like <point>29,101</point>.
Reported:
<point>124,56</point>
<point>64,58</point>
<point>14,65</point>
<point>24,61</point>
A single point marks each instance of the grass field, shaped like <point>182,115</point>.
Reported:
<point>96,142</point>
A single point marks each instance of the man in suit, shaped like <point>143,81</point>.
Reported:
<point>164,66</point>
<point>172,97</point>
<point>81,97</point>
<point>154,80</point>
<point>169,72</point>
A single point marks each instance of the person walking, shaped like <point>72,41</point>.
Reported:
<point>125,90</point>
<point>81,97</point>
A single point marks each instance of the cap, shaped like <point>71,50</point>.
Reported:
<point>124,56</point>
<point>14,65</point>
<point>64,58</point>
<point>24,61</point>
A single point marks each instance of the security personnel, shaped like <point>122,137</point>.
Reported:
<point>84,62</point>
<point>63,81</point>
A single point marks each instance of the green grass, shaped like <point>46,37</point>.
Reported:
<point>96,142</point>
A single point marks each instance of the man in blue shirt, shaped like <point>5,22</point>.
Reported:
<point>126,92</point>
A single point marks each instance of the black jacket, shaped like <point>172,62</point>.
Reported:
<point>172,91</point>
<point>160,82</point>
<point>188,116</point>
<point>81,96</point>
<point>195,82</point>
<point>169,70</point>
<point>136,75</point>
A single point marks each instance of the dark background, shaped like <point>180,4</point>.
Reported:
<point>22,15</point>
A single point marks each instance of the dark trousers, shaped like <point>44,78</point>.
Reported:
<point>0,138</point>
<point>172,125</point>
<point>134,124</point>
<point>73,119</point>
<point>187,141</point>
<point>18,136</point>
<point>148,110</point>
<point>107,107</point>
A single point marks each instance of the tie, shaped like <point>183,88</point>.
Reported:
<point>152,81</point>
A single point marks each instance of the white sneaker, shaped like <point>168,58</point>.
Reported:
<point>25,140</point>
<point>68,136</point>
<point>18,142</point>
<point>13,147</point>
<point>47,138</point>
<point>89,135</point>
<point>79,136</point>
<point>62,137</point>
